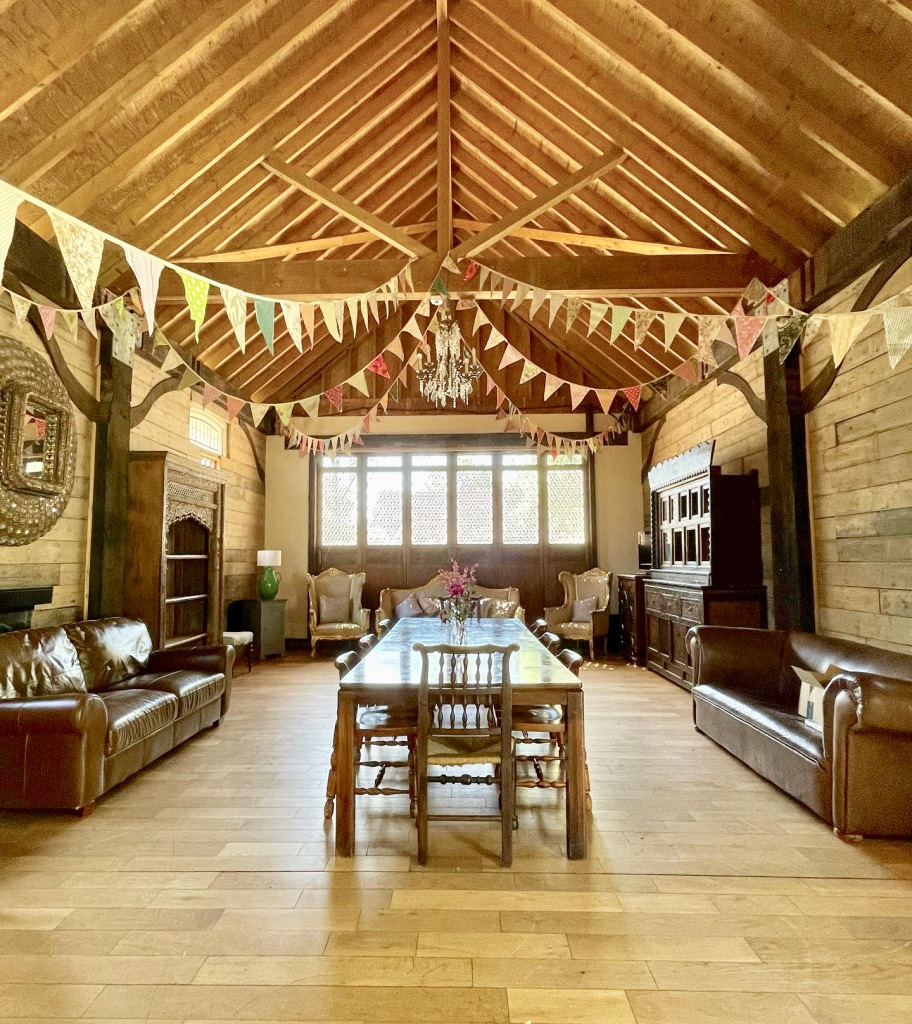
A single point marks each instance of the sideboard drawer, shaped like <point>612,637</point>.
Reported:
<point>692,609</point>
<point>662,601</point>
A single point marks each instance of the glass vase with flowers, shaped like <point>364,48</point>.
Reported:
<point>456,607</point>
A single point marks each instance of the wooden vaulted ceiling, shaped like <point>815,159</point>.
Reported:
<point>753,127</point>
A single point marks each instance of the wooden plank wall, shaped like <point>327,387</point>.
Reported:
<point>165,429</point>
<point>60,557</point>
<point>719,412</point>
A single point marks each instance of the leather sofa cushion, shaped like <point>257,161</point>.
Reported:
<point>39,663</point>
<point>110,650</point>
<point>193,689</point>
<point>135,714</point>
<point>788,727</point>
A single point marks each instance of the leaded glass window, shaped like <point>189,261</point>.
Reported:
<point>384,508</point>
<point>339,509</point>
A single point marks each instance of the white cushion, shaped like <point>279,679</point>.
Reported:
<point>410,608</point>
<point>238,637</point>
<point>429,605</point>
<point>582,610</point>
<point>334,609</point>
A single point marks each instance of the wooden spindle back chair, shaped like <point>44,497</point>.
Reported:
<point>465,717</point>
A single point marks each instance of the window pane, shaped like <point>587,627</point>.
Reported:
<point>520,506</point>
<point>206,434</point>
<point>429,507</point>
<point>339,461</point>
<point>384,508</point>
<point>564,459</point>
<point>520,459</point>
<point>339,511</point>
<point>475,459</point>
<point>387,461</point>
<point>566,507</point>
<point>429,460</point>
<point>474,507</point>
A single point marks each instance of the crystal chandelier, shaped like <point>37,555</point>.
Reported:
<point>451,374</point>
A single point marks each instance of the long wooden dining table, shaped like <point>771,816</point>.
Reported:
<point>390,673</point>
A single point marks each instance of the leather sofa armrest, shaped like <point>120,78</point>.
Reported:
<point>558,614</point>
<point>867,702</point>
<point>60,713</point>
<point>748,658</point>
<point>218,658</point>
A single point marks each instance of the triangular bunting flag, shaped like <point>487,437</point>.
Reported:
<point>378,366</point>
<point>747,330</point>
<point>489,384</point>
<point>577,393</point>
<point>339,310</point>
<point>673,323</point>
<point>687,371</point>
<point>789,329</point>
<point>480,320</point>
<point>188,379</point>
<point>411,327</point>
<point>522,290</point>
<point>424,307</point>
<point>510,356</point>
<point>606,398</point>
<point>538,299</point>
<point>619,317</point>
<point>328,310</point>
<point>284,411</point>
<point>707,331</point>
<point>210,393</point>
<point>334,397</point>
<point>258,412</point>
<point>365,310</point>
<point>898,330</point>
<point>9,204</point>
<point>395,348</point>
<point>196,292</point>
<point>311,406</point>
<point>374,305</point>
<point>574,305</point>
<point>236,309</point>
<point>500,397</point>
<point>147,270</point>
<point>725,335</point>
<point>172,361</point>
<point>352,304</point>
<point>508,283</point>
<point>358,381</point>
<point>495,338</point>
<point>597,312</point>
<point>71,318</point>
<point>265,318</point>
<point>48,320</point>
<point>552,384</point>
<point>91,324</point>
<point>21,308</point>
<point>633,396</point>
<point>291,314</point>
<point>844,329</point>
<point>308,318</point>
<point>234,406</point>
<point>555,302</point>
<point>529,371</point>
<point>642,320</point>
<point>81,248</point>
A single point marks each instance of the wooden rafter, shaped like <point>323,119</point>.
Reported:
<point>444,138</point>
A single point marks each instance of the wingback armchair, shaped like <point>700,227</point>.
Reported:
<point>334,602</point>
<point>587,624</point>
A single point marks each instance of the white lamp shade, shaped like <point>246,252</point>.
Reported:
<point>273,558</point>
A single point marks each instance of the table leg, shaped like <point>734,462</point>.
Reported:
<point>345,776</point>
<point>576,778</point>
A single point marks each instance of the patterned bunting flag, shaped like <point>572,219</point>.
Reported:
<point>633,396</point>
<point>234,406</point>
<point>574,305</point>
<point>707,331</point>
<point>210,393</point>
<point>358,381</point>
<point>529,372</point>
<point>311,406</point>
<point>577,393</point>
<point>81,248</point>
<point>789,329</point>
<point>258,412</point>
<point>147,269</point>
<point>334,397</point>
<point>747,330</point>
<point>71,318</point>
<point>495,338</point>
<point>480,320</point>
<point>291,313</point>
<point>898,330</point>
<point>552,384</point>
<point>196,292</point>
<point>687,371</point>
<point>236,309</point>
<point>9,204</point>
<point>48,320</point>
<point>844,329</point>
<point>284,411</point>
<point>597,312</point>
<point>619,317</point>
<point>378,366</point>
<point>673,323</point>
<point>265,318</point>
<point>21,308</point>
<point>642,320</point>
<point>510,356</point>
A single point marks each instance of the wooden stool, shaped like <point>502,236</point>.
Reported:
<point>240,638</point>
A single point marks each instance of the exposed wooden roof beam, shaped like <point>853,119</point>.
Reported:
<point>346,207</point>
<point>603,163</point>
<point>444,138</point>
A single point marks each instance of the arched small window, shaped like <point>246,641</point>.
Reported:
<point>208,431</point>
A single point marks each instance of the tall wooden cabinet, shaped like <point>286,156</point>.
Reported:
<point>175,525</point>
<point>632,616</point>
<point>707,567</point>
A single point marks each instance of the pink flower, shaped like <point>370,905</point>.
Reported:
<point>456,589</point>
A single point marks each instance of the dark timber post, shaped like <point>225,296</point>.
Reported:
<point>793,580</point>
<point>109,503</point>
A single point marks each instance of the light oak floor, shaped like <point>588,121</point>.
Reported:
<point>205,889</point>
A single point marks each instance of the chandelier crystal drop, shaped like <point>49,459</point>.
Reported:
<point>450,376</point>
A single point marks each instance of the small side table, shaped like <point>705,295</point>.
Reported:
<point>266,620</point>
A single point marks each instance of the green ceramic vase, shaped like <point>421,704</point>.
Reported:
<point>269,583</point>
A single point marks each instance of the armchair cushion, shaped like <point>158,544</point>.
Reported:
<point>582,610</point>
<point>497,608</point>
<point>334,608</point>
<point>429,605</point>
<point>409,608</point>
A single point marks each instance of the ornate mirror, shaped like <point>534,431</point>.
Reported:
<point>37,445</point>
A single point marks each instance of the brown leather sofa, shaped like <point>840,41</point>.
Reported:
<point>85,705</point>
<point>855,773</point>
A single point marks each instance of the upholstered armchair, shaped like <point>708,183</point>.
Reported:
<point>584,614</point>
<point>335,612</point>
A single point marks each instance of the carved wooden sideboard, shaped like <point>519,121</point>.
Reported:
<point>707,567</point>
<point>175,546</point>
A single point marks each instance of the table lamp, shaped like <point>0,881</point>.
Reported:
<point>269,561</point>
